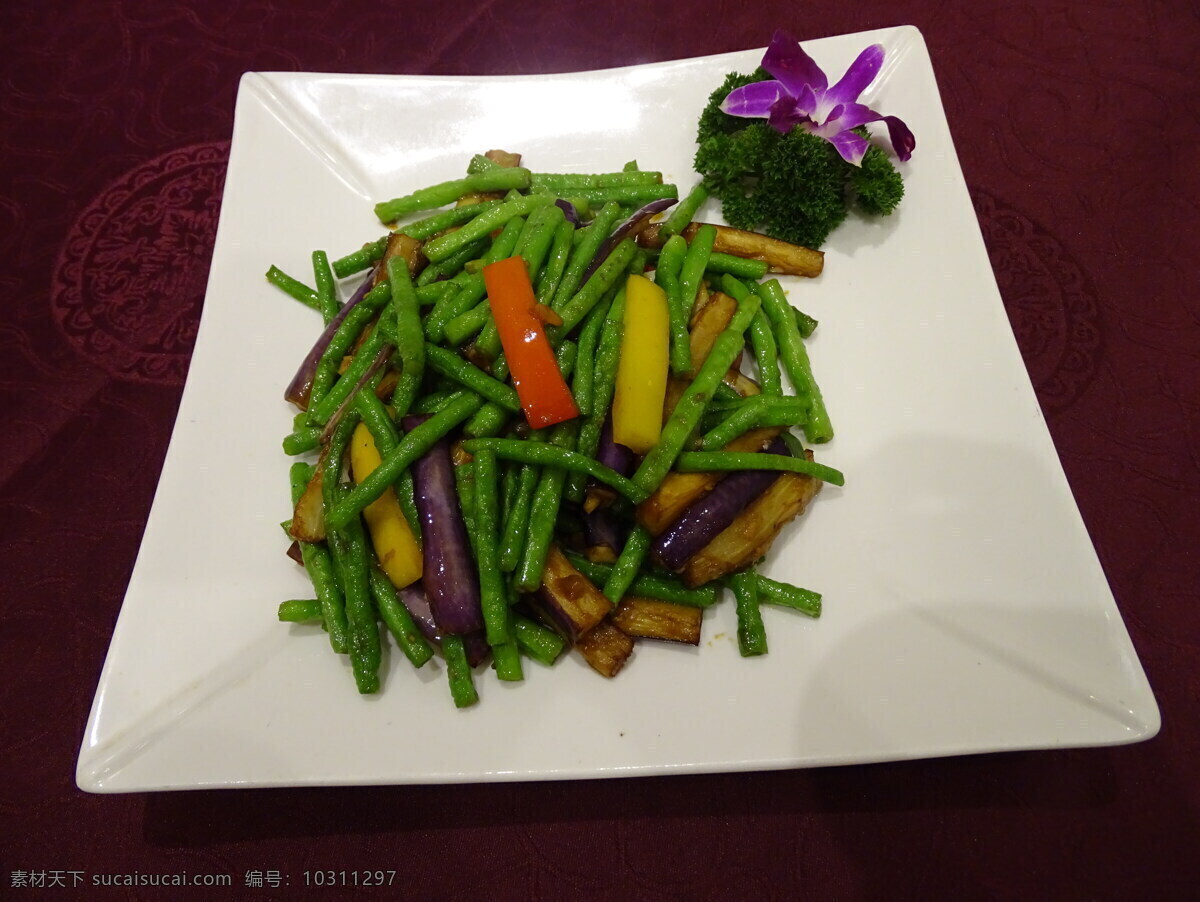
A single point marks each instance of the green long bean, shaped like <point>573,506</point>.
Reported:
<point>794,357</point>
<point>439,195</point>
<point>547,497</point>
<point>682,216</point>
<point>604,381</point>
<point>293,287</point>
<point>597,285</point>
<point>666,275</point>
<point>299,610</point>
<point>805,601</point>
<point>319,564</point>
<point>627,565</point>
<point>541,644</point>
<point>649,585</point>
<point>493,594</point>
<point>755,411</point>
<point>720,461</point>
<point>398,620</point>
<point>447,219</point>
<point>556,263</point>
<point>458,672</point>
<point>591,237</point>
<point>445,245</point>
<point>694,262</point>
<point>361,259</point>
<point>468,375</point>
<point>752,634</point>
<point>559,458</point>
<point>327,299</point>
<point>408,336</point>
<point>569,182</point>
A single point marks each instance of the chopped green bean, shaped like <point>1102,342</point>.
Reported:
<point>794,357</point>
<point>339,345</point>
<point>454,264</point>
<point>445,245</point>
<point>752,635</point>
<point>547,497</point>
<point>458,672</point>
<point>541,644</point>
<point>605,277</point>
<point>559,458</point>
<point>604,380</point>
<point>444,193</point>
<point>463,372</point>
<point>299,610</point>
<point>408,337</point>
<point>590,239</point>
<point>804,323</point>
<point>682,216</point>
<point>321,570</point>
<point>766,354</point>
<point>694,262</point>
<point>568,182</point>
<point>742,267</point>
<point>666,275</point>
<point>626,195</point>
<point>650,585</point>
<point>556,262</point>
<point>627,565</point>
<point>493,594</point>
<point>784,595</point>
<point>720,461</point>
<point>361,259</point>
<point>327,299</point>
<point>447,219</point>
<point>307,438</point>
<point>755,411</point>
<point>398,620</point>
<point>293,287</point>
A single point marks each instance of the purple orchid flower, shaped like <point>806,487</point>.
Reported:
<point>800,95</point>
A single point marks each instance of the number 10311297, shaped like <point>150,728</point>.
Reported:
<point>349,878</point>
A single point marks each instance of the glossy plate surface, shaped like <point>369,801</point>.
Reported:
<point>965,610</point>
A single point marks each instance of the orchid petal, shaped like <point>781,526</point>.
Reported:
<point>785,113</point>
<point>807,102</point>
<point>851,145</point>
<point>786,60</point>
<point>856,114</point>
<point>753,99</point>
<point>860,74</point>
<point>903,142</point>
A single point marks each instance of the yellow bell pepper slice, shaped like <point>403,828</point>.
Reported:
<point>642,369</point>
<point>395,545</point>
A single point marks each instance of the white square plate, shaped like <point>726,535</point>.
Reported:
<point>965,610</point>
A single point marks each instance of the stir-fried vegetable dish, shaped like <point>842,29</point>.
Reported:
<point>554,412</point>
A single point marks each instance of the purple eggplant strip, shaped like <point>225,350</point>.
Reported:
<point>300,387</point>
<point>602,529</point>
<point>569,211</point>
<point>450,576</point>
<point>614,456</point>
<point>706,518</point>
<point>417,603</point>
<point>631,226</point>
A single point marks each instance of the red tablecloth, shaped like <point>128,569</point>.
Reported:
<point>1076,125</point>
